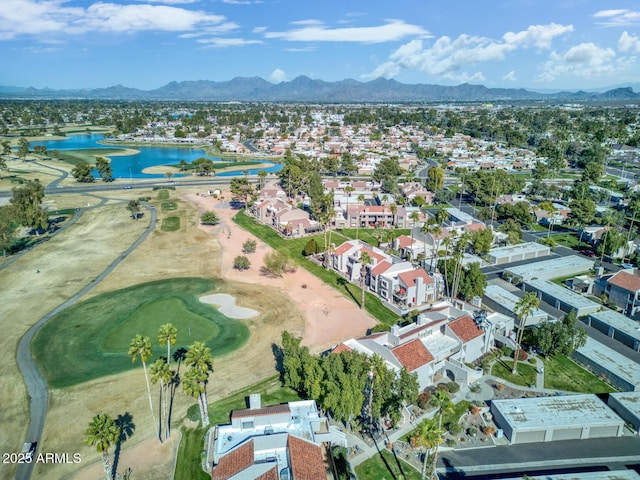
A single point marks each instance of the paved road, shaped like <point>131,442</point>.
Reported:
<point>36,385</point>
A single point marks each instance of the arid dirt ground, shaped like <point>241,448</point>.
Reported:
<point>320,314</point>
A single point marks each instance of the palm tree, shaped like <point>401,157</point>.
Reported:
<point>365,259</point>
<point>200,360</point>
<point>168,334</point>
<point>442,401</point>
<point>360,200</point>
<point>160,372</point>
<point>262,175</point>
<point>634,206</point>
<point>427,435</point>
<point>394,212</point>
<point>103,432</point>
<point>348,190</point>
<point>141,347</point>
<point>523,310</point>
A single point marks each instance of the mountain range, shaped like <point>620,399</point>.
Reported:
<point>305,89</point>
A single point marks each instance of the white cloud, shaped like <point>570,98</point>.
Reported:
<point>277,76</point>
<point>227,42</point>
<point>259,29</point>
<point>510,77</point>
<point>617,18</point>
<point>539,36</point>
<point>37,17</point>
<point>629,43</point>
<point>449,58</point>
<point>392,31</point>
<point>583,60</point>
<point>300,49</point>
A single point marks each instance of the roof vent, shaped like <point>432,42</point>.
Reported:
<point>255,401</point>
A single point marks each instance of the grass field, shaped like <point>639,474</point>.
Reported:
<point>367,234</point>
<point>170,224</point>
<point>294,247</point>
<point>526,373</point>
<point>91,339</point>
<point>561,373</point>
<point>386,466</point>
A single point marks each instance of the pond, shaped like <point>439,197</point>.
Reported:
<point>132,166</point>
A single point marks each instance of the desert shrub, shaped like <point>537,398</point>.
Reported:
<point>249,246</point>
<point>453,387</point>
<point>241,262</point>
<point>488,430</point>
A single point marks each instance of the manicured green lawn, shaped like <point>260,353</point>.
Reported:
<point>562,373</point>
<point>170,224</point>
<point>526,373</point>
<point>367,234</point>
<point>163,194</point>
<point>294,247</point>
<point>189,462</point>
<point>91,339</point>
<point>385,466</point>
<point>570,240</point>
<point>168,206</point>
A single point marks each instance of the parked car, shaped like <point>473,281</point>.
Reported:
<point>28,449</point>
<point>588,253</point>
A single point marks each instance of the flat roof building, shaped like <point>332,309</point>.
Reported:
<point>622,372</point>
<point>545,419</point>
<point>627,405</point>
<point>617,326</point>
<point>548,269</point>
<point>561,298</point>
<point>502,301</point>
<point>517,253</point>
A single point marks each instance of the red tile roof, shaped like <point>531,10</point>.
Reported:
<point>305,460</point>
<point>234,462</point>
<point>256,412</point>
<point>412,355</point>
<point>344,248</point>
<point>465,328</point>
<point>342,348</point>
<point>405,241</point>
<point>409,278</point>
<point>272,474</point>
<point>474,227</point>
<point>381,268</point>
<point>626,281</point>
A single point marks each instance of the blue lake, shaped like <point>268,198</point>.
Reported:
<point>131,166</point>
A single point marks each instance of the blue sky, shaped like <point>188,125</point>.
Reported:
<point>539,44</point>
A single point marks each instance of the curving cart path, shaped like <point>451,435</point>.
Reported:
<point>36,385</point>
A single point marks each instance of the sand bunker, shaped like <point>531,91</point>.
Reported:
<point>227,306</point>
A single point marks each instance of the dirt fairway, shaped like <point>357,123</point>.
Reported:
<point>319,313</point>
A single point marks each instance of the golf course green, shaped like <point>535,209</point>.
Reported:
<point>91,339</point>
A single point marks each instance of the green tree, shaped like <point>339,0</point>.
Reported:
<point>200,361</point>
<point>140,347</point>
<point>168,335</point>
<point>428,435</point>
<point>523,310</point>
<point>104,169</point>
<point>23,148</point>
<point>241,262</point>
<point>102,432</point>
<point>472,282</point>
<point>26,205</point>
<point>83,173</point>
<point>161,372</point>
<point>8,227</point>
<point>262,175</point>
<point>365,259</point>
<point>134,208</point>
<point>241,189</point>
<point>481,241</point>
<point>435,179</point>
<point>209,218</point>
<point>513,231</point>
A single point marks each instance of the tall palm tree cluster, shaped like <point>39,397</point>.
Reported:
<point>104,431</point>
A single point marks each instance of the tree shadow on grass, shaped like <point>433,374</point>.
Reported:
<point>382,457</point>
<point>127,428</point>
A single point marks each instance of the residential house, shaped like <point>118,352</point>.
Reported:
<point>623,290</point>
<point>436,346</point>
<point>274,442</point>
